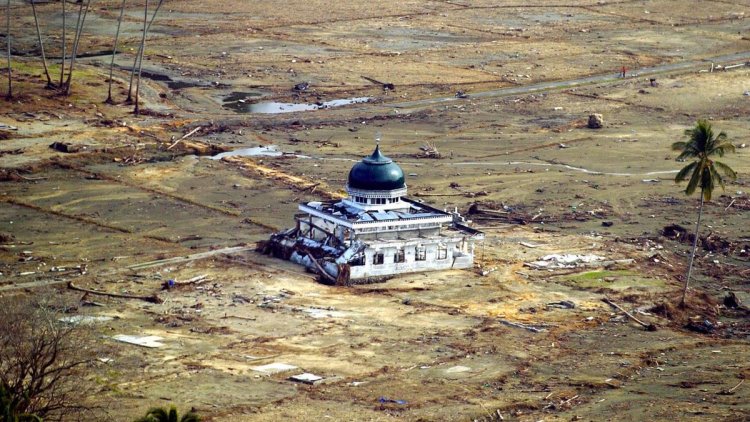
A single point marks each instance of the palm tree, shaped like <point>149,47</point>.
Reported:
<point>114,51</point>
<point>704,172</point>
<point>9,95</point>
<point>41,44</point>
<point>159,414</point>
<point>139,54</point>
<point>76,41</point>
<point>140,62</point>
<point>62,60</point>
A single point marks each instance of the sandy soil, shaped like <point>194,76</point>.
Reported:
<point>124,214</point>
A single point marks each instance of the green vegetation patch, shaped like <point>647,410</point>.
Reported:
<point>615,280</point>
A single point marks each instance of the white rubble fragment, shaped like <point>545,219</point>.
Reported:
<point>84,319</point>
<point>564,261</point>
<point>306,378</point>
<point>145,341</point>
<point>273,368</point>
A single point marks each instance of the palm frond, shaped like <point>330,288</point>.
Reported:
<point>679,145</point>
<point>694,180</point>
<point>721,148</point>
<point>190,417</point>
<point>723,168</point>
<point>707,183</point>
<point>715,176</point>
<point>157,414</point>
<point>682,175</point>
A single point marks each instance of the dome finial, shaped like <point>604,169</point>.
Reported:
<point>378,135</point>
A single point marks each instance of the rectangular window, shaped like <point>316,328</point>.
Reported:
<point>421,253</point>
<point>400,256</point>
<point>357,261</point>
<point>442,252</point>
<point>378,258</point>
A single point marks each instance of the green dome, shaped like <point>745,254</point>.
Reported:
<point>376,172</point>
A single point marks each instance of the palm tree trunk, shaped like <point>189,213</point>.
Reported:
<point>62,61</point>
<point>140,62</point>
<point>41,44</point>
<point>692,254</point>
<point>139,54</point>
<point>79,30</point>
<point>114,51</point>
<point>9,95</point>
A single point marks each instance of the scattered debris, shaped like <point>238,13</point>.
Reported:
<point>563,261</point>
<point>429,150</point>
<point>563,304</point>
<point>323,313</point>
<point>144,341</point>
<point>152,299</point>
<point>648,327</point>
<point>173,284</point>
<point>302,86</point>
<point>732,301</point>
<point>703,326</point>
<point>84,319</point>
<point>66,147</point>
<point>731,390</point>
<point>596,121</point>
<point>189,134</point>
<point>387,86</point>
<point>307,378</point>
<point>273,368</point>
<point>710,242</point>
<point>532,328</point>
<point>387,400</point>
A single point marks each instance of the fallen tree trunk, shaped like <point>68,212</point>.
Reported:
<point>151,299</point>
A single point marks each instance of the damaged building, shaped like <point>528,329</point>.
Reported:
<point>375,232</point>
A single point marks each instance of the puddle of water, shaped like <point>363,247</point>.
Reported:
<point>269,151</point>
<point>239,96</point>
<point>171,83</point>
<point>241,106</point>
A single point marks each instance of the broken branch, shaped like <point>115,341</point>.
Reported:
<point>151,299</point>
<point>648,327</point>
<point>189,134</point>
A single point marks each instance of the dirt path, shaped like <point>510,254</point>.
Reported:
<point>679,67</point>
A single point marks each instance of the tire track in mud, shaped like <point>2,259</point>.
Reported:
<point>171,196</point>
<point>18,203</point>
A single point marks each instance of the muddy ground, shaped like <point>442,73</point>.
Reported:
<point>129,209</point>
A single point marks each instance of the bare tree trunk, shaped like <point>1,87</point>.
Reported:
<point>139,54</point>
<point>114,51</point>
<point>140,62</point>
<point>41,44</point>
<point>79,30</point>
<point>62,60</point>
<point>692,254</point>
<point>9,95</point>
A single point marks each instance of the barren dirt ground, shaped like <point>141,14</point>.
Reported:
<point>130,209</point>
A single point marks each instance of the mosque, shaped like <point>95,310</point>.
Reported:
<point>375,232</point>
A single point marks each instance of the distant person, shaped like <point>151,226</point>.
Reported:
<point>624,71</point>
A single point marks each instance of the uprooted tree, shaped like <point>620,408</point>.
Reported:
<point>704,173</point>
<point>43,362</point>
